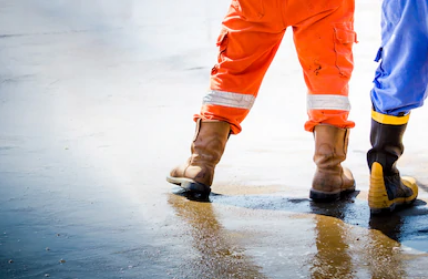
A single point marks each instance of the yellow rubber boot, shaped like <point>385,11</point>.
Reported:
<point>388,190</point>
<point>379,201</point>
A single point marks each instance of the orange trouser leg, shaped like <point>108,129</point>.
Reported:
<point>324,46</point>
<point>251,34</point>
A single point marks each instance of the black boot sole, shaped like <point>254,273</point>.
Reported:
<point>190,185</point>
<point>388,210</point>
<point>321,197</point>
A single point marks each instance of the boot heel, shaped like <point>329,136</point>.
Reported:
<point>195,187</point>
<point>190,185</point>
<point>378,198</point>
<point>317,196</point>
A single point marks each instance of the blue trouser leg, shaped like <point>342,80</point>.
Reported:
<point>401,79</point>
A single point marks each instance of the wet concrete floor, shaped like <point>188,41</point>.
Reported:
<point>96,102</point>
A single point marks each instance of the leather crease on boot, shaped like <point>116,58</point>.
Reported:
<point>331,181</point>
<point>197,174</point>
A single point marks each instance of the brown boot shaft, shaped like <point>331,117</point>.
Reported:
<point>206,151</point>
<point>331,144</point>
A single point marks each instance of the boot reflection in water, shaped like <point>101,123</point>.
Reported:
<point>384,256</point>
<point>217,255</point>
<point>332,259</point>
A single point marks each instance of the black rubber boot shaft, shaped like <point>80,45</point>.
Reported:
<point>387,147</point>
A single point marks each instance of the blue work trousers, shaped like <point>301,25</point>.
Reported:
<point>401,80</point>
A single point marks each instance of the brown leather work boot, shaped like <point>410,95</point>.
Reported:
<point>197,174</point>
<point>331,180</point>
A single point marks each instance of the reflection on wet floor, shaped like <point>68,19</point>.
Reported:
<point>84,157</point>
<point>332,259</point>
<point>218,255</point>
<point>403,226</point>
<point>337,245</point>
<point>400,226</point>
<point>349,243</point>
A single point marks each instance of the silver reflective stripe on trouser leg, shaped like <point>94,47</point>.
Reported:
<point>229,99</point>
<point>327,102</point>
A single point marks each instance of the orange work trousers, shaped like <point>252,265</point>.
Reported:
<point>251,35</point>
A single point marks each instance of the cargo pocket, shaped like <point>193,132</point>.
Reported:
<point>251,10</point>
<point>345,37</point>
